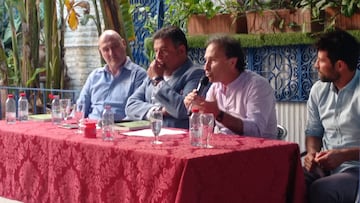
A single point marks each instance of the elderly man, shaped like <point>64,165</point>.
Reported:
<point>242,102</point>
<point>332,130</point>
<point>113,83</point>
<point>172,75</point>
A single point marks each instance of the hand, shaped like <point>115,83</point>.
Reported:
<point>206,106</point>
<point>155,69</point>
<point>309,162</point>
<point>330,159</point>
<point>190,98</point>
<point>164,112</point>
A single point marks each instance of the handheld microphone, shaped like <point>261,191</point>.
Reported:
<point>204,81</point>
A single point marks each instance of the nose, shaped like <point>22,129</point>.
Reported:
<point>206,65</point>
<point>110,52</point>
<point>158,54</point>
<point>316,64</point>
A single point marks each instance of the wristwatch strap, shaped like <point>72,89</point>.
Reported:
<point>220,116</point>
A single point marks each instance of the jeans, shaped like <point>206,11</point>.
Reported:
<point>333,188</point>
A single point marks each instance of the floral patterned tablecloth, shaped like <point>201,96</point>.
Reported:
<point>40,162</point>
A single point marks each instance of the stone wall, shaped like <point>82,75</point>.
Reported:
<point>81,52</point>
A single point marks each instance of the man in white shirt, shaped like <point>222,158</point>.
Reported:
<point>242,101</point>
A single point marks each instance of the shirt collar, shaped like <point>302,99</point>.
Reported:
<point>351,85</point>
<point>183,68</point>
<point>237,83</point>
<point>124,66</point>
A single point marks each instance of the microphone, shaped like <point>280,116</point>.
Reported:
<point>204,81</point>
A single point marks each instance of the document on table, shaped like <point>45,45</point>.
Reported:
<point>149,133</point>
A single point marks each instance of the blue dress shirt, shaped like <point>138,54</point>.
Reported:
<point>101,88</point>
<point>334,116</point>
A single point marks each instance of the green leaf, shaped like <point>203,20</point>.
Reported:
<point>128,21</point>
<point>8,34</point>
<point>34,76</point>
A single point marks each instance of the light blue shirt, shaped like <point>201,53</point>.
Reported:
<point>335,116</point>
<point>101,87</point>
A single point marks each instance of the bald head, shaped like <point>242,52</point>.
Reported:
<point>109,35</point>
<point>113,49</point>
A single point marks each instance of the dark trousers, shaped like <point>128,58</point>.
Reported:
<point>335,188</point>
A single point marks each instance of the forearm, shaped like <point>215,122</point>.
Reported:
<point>313,144</point>
<point>85,100</point>
<point>172,101</point>
<point>351,153</point>
<point>231,122</point>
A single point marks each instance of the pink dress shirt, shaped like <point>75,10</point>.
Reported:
<point>251,98</point>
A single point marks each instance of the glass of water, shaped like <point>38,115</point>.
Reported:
<point>156,120</point>
<point>79,116</point>
<point>65,108</point>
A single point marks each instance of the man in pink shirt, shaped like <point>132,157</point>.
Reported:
<point>242,101</point>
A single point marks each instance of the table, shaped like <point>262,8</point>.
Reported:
<point>40,162</point>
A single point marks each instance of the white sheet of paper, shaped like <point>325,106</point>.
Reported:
<point>148,132</point>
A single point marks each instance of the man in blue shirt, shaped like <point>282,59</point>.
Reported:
<point>332,130</point>
<point>113,83</point>
<point>172,75</point>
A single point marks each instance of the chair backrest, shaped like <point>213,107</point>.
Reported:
<point>282,132</point>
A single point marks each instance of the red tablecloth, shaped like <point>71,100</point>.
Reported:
<point>40,162</point>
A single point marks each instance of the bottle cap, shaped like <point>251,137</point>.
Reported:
<point>90,129</point>
<point>90,124</point>
<point>10,96</point>
<point>22,94</point>
<point>195,110</point>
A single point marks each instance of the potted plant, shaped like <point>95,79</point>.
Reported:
<point>344,14</point>
<point>206,16</point>
<point>278,16</point>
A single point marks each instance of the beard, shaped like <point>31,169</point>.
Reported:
<point>330,77</point>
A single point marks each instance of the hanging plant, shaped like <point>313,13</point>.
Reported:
<point>72,16</point>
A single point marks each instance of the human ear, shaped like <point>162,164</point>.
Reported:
<point>181,49</point>
<point>340,65</point>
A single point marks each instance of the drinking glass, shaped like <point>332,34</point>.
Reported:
<point>156,120</point>
<point>79,116</point>
<point>65,108</point>
<point>207,123</point>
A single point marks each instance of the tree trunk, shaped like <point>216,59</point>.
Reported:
<point>53,56</point>
<point>113,18</point>
<point>30,29</point>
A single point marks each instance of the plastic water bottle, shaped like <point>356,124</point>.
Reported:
<point>23,107</point>
<point>56,116</point>
<point>10,109</point>
<point>195,128</point>
<point>107,122</point>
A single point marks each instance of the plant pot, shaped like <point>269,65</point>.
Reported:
<point>281,20</point>
<point>333,17</point>
<point>221,23</point>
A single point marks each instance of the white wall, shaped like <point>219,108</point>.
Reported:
<point>292,115</point>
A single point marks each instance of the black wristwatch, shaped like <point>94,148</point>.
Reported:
<point>155,80</point>
<point>220,116</point>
